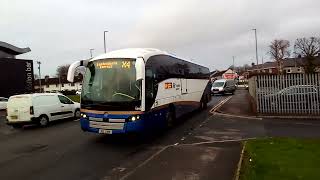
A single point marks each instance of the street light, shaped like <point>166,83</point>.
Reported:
<point>91,52</point>
<point>104,40</point>
<point>255,33</point>
<point>39,63</point>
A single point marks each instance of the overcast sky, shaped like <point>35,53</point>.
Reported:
<point>209,32</point>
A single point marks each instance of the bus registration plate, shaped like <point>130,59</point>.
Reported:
<point>104,131</point>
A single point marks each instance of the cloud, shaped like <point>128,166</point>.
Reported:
<point>210,31</point>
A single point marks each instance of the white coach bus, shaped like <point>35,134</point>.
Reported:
<point>137,90</point>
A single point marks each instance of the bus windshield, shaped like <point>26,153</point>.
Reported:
<point>111,81</point>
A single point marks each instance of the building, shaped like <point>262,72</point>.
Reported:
<point>289,66</point>
<point>16,75</point>
<point>56,84</point>
<point>225,74</point>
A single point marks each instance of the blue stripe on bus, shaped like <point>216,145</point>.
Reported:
<point>153,120</point>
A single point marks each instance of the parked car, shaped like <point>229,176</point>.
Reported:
<point>40,108</point>
<point>305,96</point>
<point>3,103</point>
<point>223,86</point>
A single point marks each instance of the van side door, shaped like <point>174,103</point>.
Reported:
<point>67,106</point>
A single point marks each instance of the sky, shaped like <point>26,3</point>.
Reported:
<point>207,32</point>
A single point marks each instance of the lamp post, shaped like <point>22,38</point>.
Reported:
<point>91,52</point>
<point>255,34</point>
<point>39,68</point>
<point>104,40</point>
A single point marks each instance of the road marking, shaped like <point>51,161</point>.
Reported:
<point>237,116</point>
<point>218,141</point>
<point>216,107</point>
<point>143,163</point>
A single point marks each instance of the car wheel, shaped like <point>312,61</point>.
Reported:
<point>43,121</point>
<point>77,114</point>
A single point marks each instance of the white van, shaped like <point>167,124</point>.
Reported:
<point>223,86</point>
<point>40,108</point>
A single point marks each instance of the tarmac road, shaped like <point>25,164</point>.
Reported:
<point>63,151</point>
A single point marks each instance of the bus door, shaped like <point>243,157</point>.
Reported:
<point>184,89</point>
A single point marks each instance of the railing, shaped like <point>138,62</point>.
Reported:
<point>297,94</point>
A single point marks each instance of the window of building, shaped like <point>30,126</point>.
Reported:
<point>62,85</point>
<point>57,85</point>
<point>270,70</point>
<point>47,85</point>
<point>289,70</point>
<point>72,84</point>
<point>299,69</point>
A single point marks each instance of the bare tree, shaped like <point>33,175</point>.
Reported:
<point>279,49</point>
<point>308,48</point>
<point>62,70</point>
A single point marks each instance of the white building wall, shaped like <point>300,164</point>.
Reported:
<point>67,86</point>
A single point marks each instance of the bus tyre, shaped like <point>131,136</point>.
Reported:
<point>43,121</point>
<point>203,104</point>
<point>170,117</point>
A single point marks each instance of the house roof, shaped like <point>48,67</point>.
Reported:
<point>218,73</point>
<point>11,49</point>
<point>288,62</point>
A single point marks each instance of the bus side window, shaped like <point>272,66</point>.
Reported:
<point>149,83</point>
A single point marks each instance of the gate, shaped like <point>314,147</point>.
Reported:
<point>290,94</point>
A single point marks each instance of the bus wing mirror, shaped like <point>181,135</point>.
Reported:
<point>139,68</point>
<point>73,67</point>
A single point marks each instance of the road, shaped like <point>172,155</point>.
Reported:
<point>63,151</point>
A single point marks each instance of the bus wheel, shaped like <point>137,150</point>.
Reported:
<point>170,117</point>
<point>203,104</point>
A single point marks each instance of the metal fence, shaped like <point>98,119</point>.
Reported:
<point>289,94</point>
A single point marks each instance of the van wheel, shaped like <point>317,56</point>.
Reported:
<point>17,126</point>
<point>77,114</point>
<point>43,121</point>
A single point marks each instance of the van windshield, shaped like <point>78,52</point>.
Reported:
<point>218,84</point>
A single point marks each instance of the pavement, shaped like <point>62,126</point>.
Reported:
<point>201,146</point>
<point>240,104</point>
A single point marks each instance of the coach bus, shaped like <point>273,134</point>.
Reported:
<point>136,90</point>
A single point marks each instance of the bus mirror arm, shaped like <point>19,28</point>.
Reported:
<point>73,67</point>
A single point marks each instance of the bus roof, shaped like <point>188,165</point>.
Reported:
<point>131,53</point>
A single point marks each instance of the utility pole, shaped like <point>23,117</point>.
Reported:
<point>255,34</point>
<point>91,52</point>
<point>39,64</point>
<point>233,61</point>
<point>104,40</point>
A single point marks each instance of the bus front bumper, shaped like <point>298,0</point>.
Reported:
<point>111,128</point>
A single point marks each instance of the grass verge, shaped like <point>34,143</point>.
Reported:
<point>281,158</point>
<point>75,98</point>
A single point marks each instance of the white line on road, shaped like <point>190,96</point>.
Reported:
<point>216,107</point>
<point>237,116</point>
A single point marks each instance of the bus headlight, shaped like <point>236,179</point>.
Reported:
<point>134,118</point>
<point>83,115</point>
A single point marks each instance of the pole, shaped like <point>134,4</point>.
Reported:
<point>104,40</point>
<point>39,63</point>
<point>59,83</point>
<point>255,34</point>
<point>233,61</point>
<point>91,52</point>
